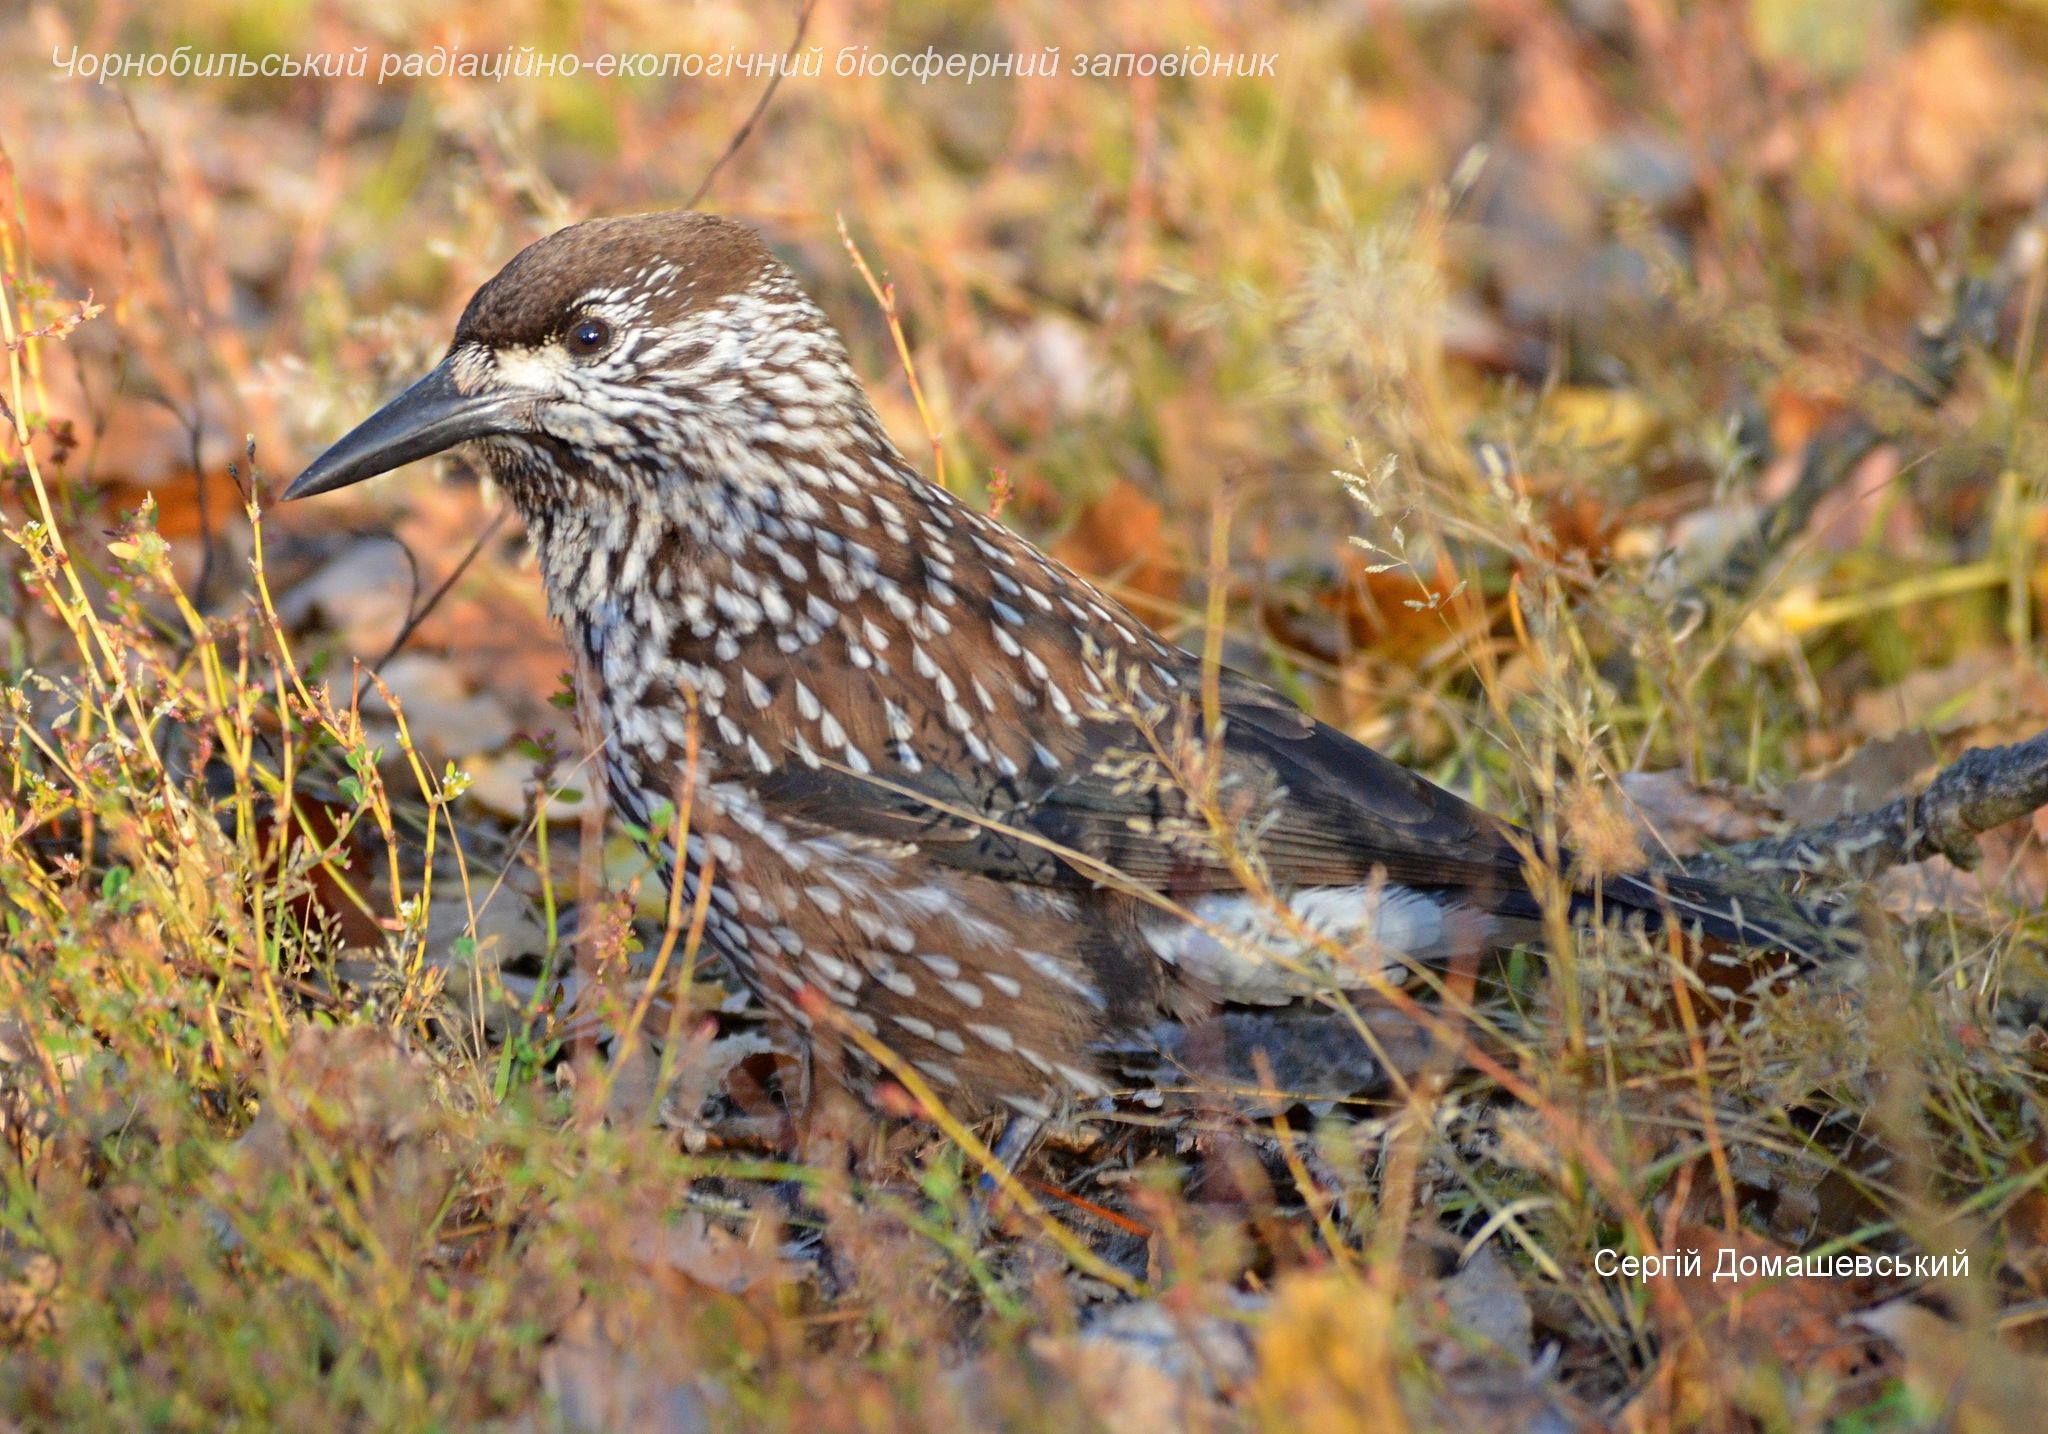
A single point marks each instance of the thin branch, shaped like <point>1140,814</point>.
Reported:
<point>1985,788</point>
<point>746,129</point>
<point>425,610</point>
<point>1927,381</point>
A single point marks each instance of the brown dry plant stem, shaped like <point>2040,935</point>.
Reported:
<point>746,129</point>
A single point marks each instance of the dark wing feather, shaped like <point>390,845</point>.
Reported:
<point>1328,810</point>
<point>1317,808</point>
<point>1311,806</point>
<point>1349,812</point>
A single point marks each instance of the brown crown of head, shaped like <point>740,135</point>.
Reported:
<point>679,261</point>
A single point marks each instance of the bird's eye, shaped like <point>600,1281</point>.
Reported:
<point>589,337</point>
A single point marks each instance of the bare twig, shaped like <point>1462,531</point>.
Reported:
<point>746,129</point>
<point>885,296</point>
<point>425,610</point>
<point>1985,788</point>
<point>1927,381</point>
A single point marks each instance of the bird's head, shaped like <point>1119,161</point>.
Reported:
<point>618,352</point>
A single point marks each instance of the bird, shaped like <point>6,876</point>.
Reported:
<point>947,799</point>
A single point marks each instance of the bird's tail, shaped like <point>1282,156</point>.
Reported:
<point>1753,915</point>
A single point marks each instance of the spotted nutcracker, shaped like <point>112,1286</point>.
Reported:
<point>948,791</point>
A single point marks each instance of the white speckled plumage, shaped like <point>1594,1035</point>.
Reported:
<point>943,788</point>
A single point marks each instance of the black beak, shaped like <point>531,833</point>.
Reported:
<point>428,418</point>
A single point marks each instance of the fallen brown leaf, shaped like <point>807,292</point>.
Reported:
<point>1121,535</point>
<point>1730,1331</point>
<point>1678,815</point>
